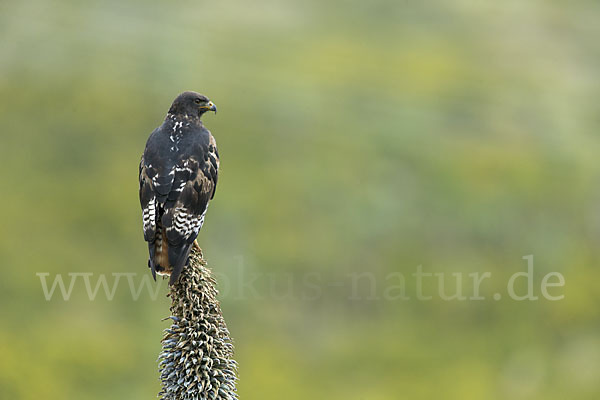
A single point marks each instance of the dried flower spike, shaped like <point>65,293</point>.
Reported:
<point>196,362</point>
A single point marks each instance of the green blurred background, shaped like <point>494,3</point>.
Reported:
<point>355,136</point>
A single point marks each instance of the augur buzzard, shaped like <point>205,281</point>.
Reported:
<point>178,176</point>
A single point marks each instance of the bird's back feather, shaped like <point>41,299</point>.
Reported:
<point>178,177</point>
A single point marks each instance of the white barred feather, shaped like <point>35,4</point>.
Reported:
<point>185,223</point>
<point>149,215</point>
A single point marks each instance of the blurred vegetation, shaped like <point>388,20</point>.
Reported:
<point>354,136</point>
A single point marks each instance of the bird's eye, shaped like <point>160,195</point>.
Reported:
<point>198,101</point>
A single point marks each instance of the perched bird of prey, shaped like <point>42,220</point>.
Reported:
<point>178,177</point>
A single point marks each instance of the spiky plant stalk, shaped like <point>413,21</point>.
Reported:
<point>196,362</point>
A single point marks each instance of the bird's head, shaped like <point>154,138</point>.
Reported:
<point>192,104</point>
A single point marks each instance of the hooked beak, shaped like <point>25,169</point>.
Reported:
<point>212,106</point>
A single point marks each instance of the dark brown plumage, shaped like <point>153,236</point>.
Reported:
<point>178,176</point>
